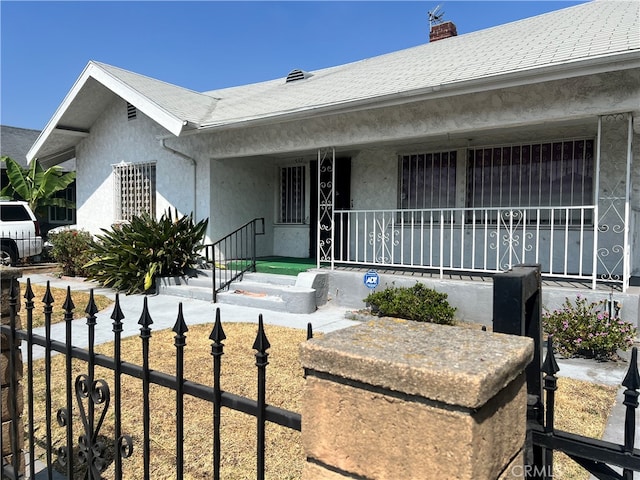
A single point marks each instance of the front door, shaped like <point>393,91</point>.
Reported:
<point>342,202</point>
<point>330,191</point>
<point>313,209</point>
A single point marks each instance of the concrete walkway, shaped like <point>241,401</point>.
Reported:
<point>163,309</point>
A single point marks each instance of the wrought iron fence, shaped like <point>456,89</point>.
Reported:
<point>92,396</point>
<point>592,454</point>
<point>517,310</point>
<point>517,297</point>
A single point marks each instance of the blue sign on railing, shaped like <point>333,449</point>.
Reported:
<point>371,279</point>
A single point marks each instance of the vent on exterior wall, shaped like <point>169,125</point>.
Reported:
<point>297,75</point>
<point>132,111</point>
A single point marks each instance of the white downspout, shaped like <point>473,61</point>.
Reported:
<point>195,167</point>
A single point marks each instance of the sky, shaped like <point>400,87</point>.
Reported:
<point>206,45</point>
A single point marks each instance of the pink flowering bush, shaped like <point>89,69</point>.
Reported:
<point>588,329</point>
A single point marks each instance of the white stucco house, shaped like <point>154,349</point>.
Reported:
<point>515,144</point>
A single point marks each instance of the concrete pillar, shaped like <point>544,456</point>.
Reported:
<point>402,399</point>
<point>7,276</point>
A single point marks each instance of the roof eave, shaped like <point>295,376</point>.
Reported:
<point>591,66</point>
<point>57,158</point>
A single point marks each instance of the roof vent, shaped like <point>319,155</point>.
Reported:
<point>132,111</point>
<point>297,75</point>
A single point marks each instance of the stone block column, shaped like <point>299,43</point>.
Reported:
<point>11,400</point>
<point>394,399</point>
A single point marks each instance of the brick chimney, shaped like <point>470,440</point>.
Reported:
<point>442,31</point>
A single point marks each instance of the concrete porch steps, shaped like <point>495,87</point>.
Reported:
<point>197,285</point>
<point>281,293</point>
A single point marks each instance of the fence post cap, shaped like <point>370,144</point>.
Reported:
<point>454,365</point>
<point>10,273</point>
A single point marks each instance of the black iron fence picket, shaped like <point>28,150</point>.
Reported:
<point>517,310</point>
<point>592,454</point>
<point>92,396</point>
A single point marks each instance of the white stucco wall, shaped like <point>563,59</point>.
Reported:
<point>241,190</point>
<point>291,240</point>
<point>374,179</point>
<point>115,139</point>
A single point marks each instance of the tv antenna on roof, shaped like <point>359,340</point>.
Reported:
<point>435,16</point>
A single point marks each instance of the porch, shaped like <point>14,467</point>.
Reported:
<point>470,293</point>
<point>450,208</point>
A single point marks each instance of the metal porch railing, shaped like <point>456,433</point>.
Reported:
<point>565,241</point>
<point>234,254</point>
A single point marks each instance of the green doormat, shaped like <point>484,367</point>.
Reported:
<point>284,265</point>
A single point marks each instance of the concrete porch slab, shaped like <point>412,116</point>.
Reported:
<point>472,296</point>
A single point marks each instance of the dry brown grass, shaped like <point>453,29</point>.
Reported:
<point>582,407</point>
<point>80,300</point>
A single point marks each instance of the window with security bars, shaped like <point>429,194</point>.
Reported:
<point>292,194</point>
<point>135,190</point>
<point>551,174</point>
<point>61,214</point>
<point>427,181</point>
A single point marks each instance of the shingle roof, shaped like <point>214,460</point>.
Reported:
<point>601,34</point>
<point>179,102</point>
<point>15,143</point>
<point>598,29</point>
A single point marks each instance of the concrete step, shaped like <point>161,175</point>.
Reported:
<point>271,296</point>
<point>246,299</point>
<point>188,291</point>
<point>270,278</point>
<point>281,293</point>
<point>194,279</point>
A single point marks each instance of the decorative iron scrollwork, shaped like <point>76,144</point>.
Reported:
<point>91,451</point>
<point>384,238</point>
<point>326,159</point>
<point>63,420</point>
<point>511,224</point>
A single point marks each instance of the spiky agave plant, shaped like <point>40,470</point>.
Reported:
<point>131,256</point>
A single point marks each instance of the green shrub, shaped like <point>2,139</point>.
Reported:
<point>586,329</point>
<point>72,250</point>
<point>413,303</point>
<point>130,256</point>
